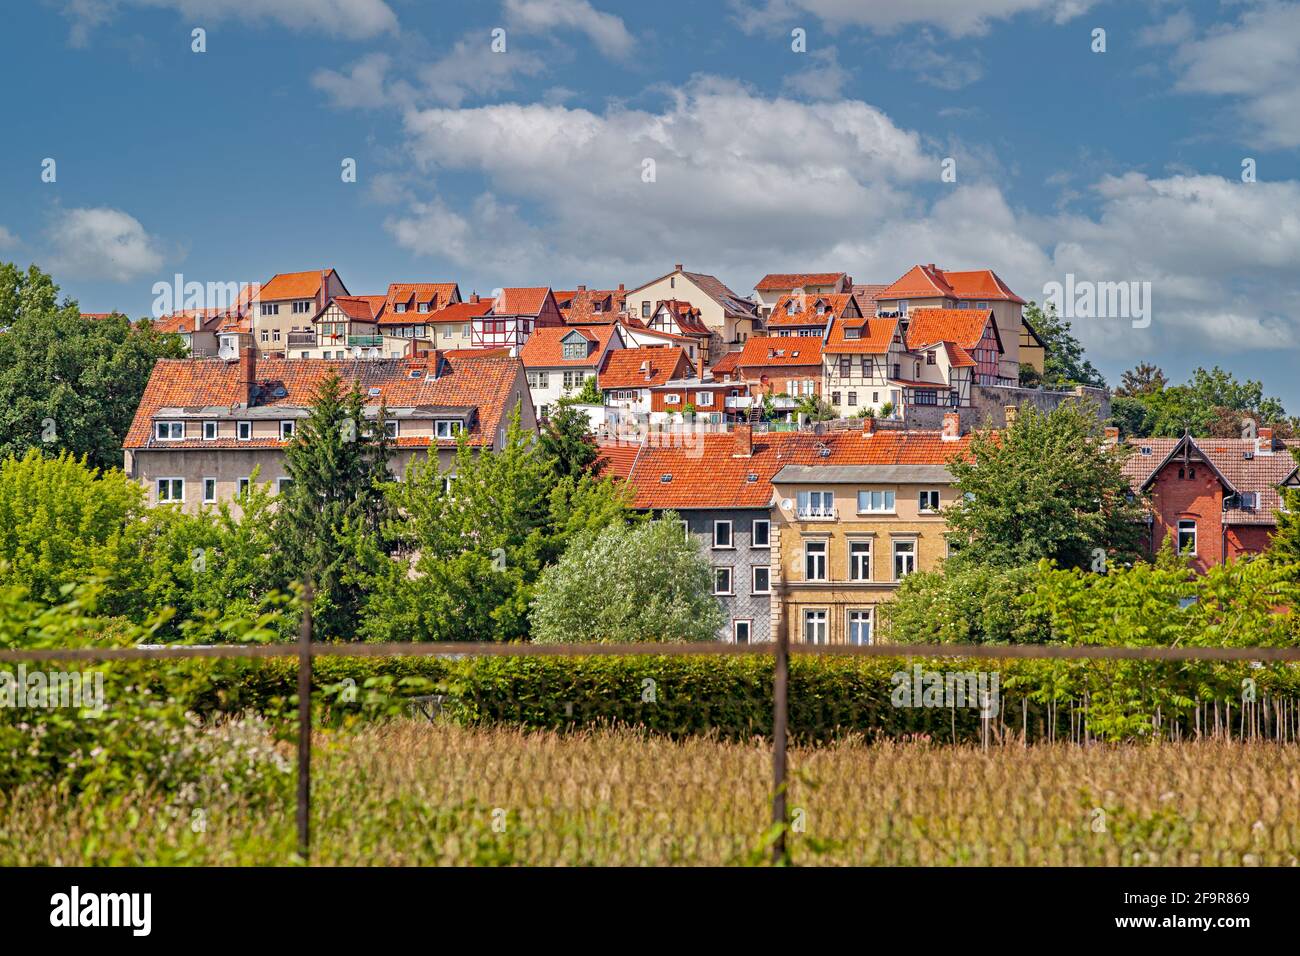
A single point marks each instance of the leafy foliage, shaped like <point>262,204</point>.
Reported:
<point>68,383</point>
<point>1212,403</point>
<point>1046,487</point>
<point>648,582</point>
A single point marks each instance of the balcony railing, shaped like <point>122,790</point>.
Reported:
<point>302,338</point>
<point>366,341</point>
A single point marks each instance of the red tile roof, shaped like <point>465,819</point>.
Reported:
<point>780,350</point>
<point>874,339</point>
<point>479,381</point>
<point>623,367</point>
<point>776,281</point>
<point>438,294</point>
<point>578,306</point>
<point>833,304</point>
<point>686,315</point>
<point>293,285</point>
<point>962,326</point>
<point>545,347</point>
<point>363,308</point>
<point>958,357</point>
<point>928,281</point>
<point>617,458</point>
<point>183,321</point>
<point>727,363</point>
<point>521,301</point>
<point>461,312</point>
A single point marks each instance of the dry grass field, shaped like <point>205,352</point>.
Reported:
<point>409,792</point>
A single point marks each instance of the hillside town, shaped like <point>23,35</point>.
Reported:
<point>802,433</point>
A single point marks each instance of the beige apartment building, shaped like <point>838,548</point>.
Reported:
<point>731,318</point>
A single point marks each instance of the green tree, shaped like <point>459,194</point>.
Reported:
<point>479,533</point>
<point>590,393</point>
<point>816,408</point>
<point>629,583</point>
<point>332,515</point>
<point>962,604</point>
<point>567,440</point>
<point>68,383</point>
<point>1142,379</point>
<point>63,522</point>
<point>1065,363</point>
<point>1046,487</point>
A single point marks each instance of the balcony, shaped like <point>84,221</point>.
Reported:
<point>299,339</point>
<point>739,401</point>
<point>365,341</point>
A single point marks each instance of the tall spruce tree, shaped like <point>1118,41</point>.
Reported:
<point>333,514</point>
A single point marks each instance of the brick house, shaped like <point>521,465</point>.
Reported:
<point>782,365</point>
<point>1216,498</point>
<point>204,425</point>
<point>627,375</point>
<point>720,486</point>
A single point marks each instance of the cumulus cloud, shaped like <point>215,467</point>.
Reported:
<point>824,79</point>
<point>1255,60</point>
<point>7,239</point>
<point>102,243</point>
<point>350,19</point>
<point>606,31</point>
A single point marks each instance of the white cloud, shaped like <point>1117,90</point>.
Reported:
<point>1174,29</point>
<point>1257,60</point>
<point>7,239</point>
<point>351,19</point>
<point>605,30</point>
<point>962,18</point>
<point>102,243</point>
<point>360,86</point>
<point>824,79</point>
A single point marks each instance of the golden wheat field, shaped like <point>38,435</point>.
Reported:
<point>415,793</point>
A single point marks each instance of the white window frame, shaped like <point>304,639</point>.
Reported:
<point>280,482</point>
<point>895,553</point>
<point>292,428</point>
<point>766,524</point>
<point>1195,533</point>
<point>216,429</point>
<point>672,399</point>
<point>704,399</point>
<point>921,497</point>
<point>169,426</point>
<point>888,501</point>
<point>731,580</point>
<point>242,426</point>
<point>169,482</point>
<point>209,499</point>
<point>825,507</point>
<point>870,546</point>
<point>730,544</point>
<point>243,486</point>
<point>753,579</point>
<point>392,428</point>
<point>819,616</point>
<point>749,630</point>
<point>823,553</point>
<point>302,306</point>
<point>454,427</point>
<point>848,625</point>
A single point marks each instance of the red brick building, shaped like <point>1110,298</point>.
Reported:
<point>1215,497</point>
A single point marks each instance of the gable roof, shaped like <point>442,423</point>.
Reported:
<point>521,301</point>
<point>965,327</point>
<point>294,285</point>
<point>364,308</point>
<point>686,315</point>
<point>464,382</point>
<point>578,306</point>
<point>727,363</point>
<point>545,347</point>
<point>438,294</point>
<point>1260,474</point>
<point>456,312</point>
<point>732,304</point>
<point>833,304</point>
<point>183,322</point>
<point>780,350</point>
<point>776,281</point>
<point>622,368</point>
<point>929,281</point>
<point>875,337</point>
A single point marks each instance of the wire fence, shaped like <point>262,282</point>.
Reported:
<point>1200,829</point>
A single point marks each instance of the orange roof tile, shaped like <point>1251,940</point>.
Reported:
<point>776,281</point>
<point>484,382</point>
<point>437,294</point>
<point>833,304</point>
<point>727,363</point>
<point>545,347</point>
<point>364,308</point>
<point>521,301</point>
<point>929,281</point>
<point>874,339</point>
<point>623,367</point>
<point>962,326</point>
<point>461,312</point>
<point>780,350</point>
<point>293,285</point>
<point>617,457</point>
<point>578,306</point>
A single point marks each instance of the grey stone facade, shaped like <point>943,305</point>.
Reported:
<point>742,604</point>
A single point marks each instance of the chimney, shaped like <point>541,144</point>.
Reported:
<point>324,290</point>
<point>474,297</point>
<point>1112,435</point>
<point>248,369</point>
<point>1010,411</point>
<point>930,266</point>
<point>744,435</point>
<point>620,287</point>
<point>868,426</point>
<point>951,426</point>
<point>677,267</point>
<point>198,322</point>
<point>582,288</point>
<point>1264,443</point>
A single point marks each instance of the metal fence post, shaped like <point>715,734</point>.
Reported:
<point>304,726</point>
<point>780,722</point>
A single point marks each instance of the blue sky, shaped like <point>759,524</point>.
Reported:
<point>525,166</point>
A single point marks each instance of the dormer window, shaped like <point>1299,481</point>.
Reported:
<point>169,431</point>
<point>853,333</point>
<point>789,307</point>
<point>423,307</point>
<point>575,350</point>
<point>447,428</point>
<point>399,306</point>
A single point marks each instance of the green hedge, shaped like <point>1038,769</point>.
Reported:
<point>732,696</point>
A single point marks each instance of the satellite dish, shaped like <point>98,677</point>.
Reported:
<point>787,504</point>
